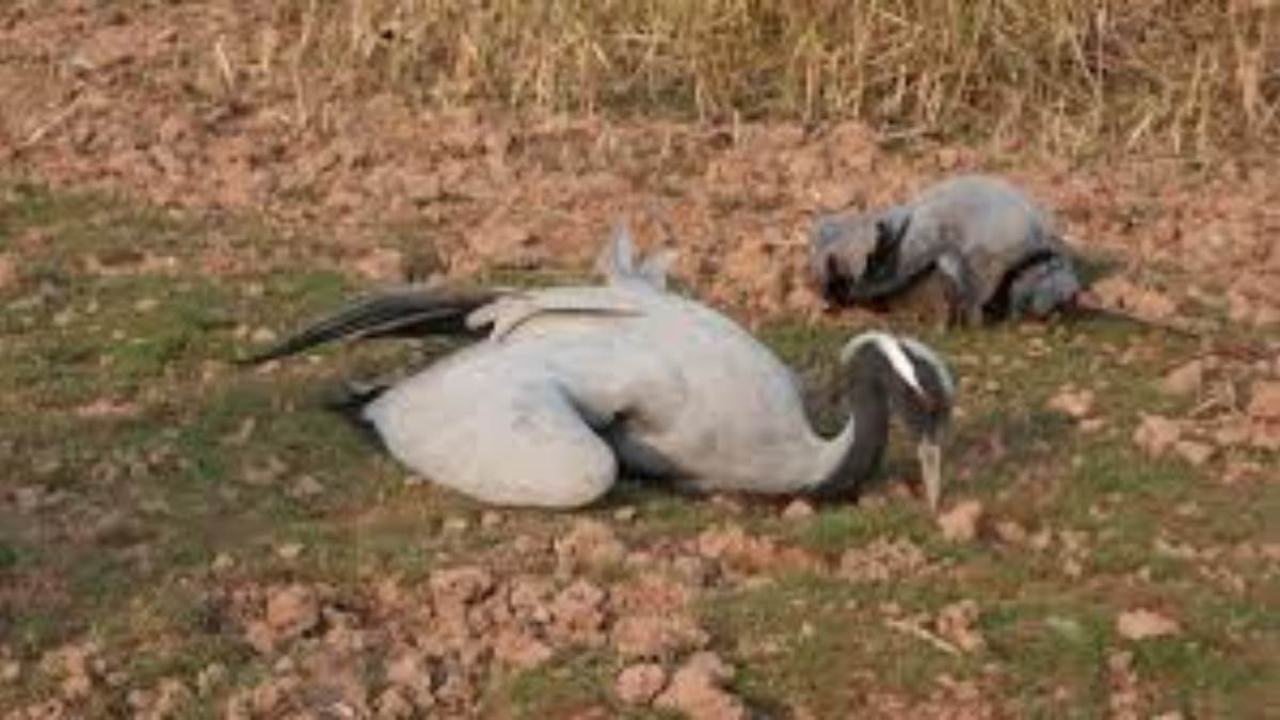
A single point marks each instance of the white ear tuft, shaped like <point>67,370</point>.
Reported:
<point>892,351</point>
<point>927,354</point>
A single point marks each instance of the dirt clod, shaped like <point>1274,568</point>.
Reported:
<point>1141,624</point>
<point>292,610</point>
<point>639,684</point>
<point>697,690</point>
<point>520,649</point>
<point>798,509</point>
<point>881,560</point>
<point>653,636</point>
<point>1184,380</point>
<point>1264,401</point>
<point>589,545</point>
<point>1076,404</point>
<point>1157,434</point>
<point>961,523</point>
<point>1194,452</point>
<point>957,623</point>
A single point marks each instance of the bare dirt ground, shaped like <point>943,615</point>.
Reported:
<point>199,105</point>
<point>182,539</point>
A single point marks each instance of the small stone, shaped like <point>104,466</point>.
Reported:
<point>1076,405</point>
<point>1089,426</point>
<point>10,671</point>
<point>409,671</point>
<point>1142,624</point>
<point>170,697</point>
<point>881,560</point>
<point>520,649</point>
<point>306,487</point>
<point>798,509</point>
<point>380,264</point>
<point>1119,293</point>
<point>960,523</point>
<point>1157,434</point>
<point>578,615</point>
<point>1196,453</point>
<point>456,525</point>
<point>461,585</point>
<point>1184,380</point>
<point>697,691</point>
<point>1264,401</point>
<point>490,519</point>
<point>727,503</point>
<point>1012,532</point>
<point>656,636</point>
<point>210,678</point>
<point>589,544</point>
<point>263,336</point>
<point>265,473</point>
<point>1066,627</point>
<point>260,637</point>
<point>626,513</point>
<point>958,622</point>
<point>222,562</point>
<point>393,705</point>
<point>292,610</point>
<point>1233,433</point>
<point>640,684</point>
<point>289,551</point>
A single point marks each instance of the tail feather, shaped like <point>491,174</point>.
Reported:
<point>406,312</point>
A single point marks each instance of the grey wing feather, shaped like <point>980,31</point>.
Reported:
<point>403,312</point>
<point>618,264</point>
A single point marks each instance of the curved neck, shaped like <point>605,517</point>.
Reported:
<point>858,457</point>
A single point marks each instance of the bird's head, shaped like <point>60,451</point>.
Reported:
<point>919,390</point>
<point>839,248</point>
<point>847,249</point>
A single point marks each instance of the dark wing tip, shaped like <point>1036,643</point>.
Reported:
<point>402,312</point>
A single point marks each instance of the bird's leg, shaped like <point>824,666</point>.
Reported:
<point>960,288</point>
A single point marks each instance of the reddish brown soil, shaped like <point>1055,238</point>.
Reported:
<point>139,99</point>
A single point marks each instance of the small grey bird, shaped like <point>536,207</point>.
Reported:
<point>996,252</point>
<point>566,387</point>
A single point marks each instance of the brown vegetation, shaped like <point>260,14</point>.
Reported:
<point>1180,75</point>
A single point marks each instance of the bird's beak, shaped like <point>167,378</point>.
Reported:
<point>930,453</point>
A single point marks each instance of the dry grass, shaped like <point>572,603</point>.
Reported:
<point>1065,75</point>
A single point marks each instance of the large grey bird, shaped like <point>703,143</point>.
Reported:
<point>996,252</point>
<point>572,385</point>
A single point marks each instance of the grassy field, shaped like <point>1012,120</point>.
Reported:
<point>145,476</point>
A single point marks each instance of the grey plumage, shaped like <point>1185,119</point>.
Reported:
<point>997,253</point>
<point>565,387</point>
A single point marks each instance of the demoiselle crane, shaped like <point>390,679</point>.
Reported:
<point>566,387</point>
<point>998,253</point>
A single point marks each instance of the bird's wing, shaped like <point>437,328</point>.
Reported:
<point>413,311</point>
<point>508,313</point>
